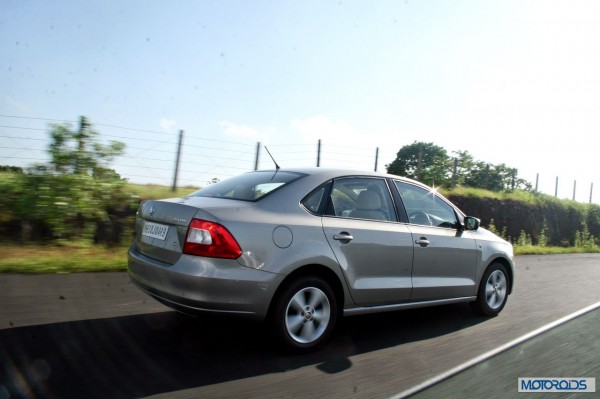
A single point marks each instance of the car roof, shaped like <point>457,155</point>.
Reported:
<point>330,173</point>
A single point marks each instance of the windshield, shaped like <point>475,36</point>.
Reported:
<point>248,187</point>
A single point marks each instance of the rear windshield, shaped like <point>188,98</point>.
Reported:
<point>249,186</point>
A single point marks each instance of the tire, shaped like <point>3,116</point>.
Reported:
<point>304,314</point>
<point>493,291</point>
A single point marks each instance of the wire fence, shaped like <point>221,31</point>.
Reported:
<point>150,155</point>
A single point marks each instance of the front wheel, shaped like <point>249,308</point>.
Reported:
<point>493,291</point>
<point>305,314</point>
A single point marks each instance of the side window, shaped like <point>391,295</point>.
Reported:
<point>426,208</point>
<point>361,198</point>
<point>314,201</point>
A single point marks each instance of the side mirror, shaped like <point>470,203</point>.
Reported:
<point>471,223</point>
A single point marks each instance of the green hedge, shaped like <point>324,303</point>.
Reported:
<point>38,207</point>
<point>545,220</point>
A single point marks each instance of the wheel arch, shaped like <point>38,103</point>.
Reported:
<point>323,272</point>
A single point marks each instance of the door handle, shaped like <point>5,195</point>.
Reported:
<point>423,242</point>
<point>343,236</point>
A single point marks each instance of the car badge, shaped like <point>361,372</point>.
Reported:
<point>151,210</point>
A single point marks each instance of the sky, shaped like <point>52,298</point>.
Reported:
<point>514,82</point>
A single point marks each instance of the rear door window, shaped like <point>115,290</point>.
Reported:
<point>361,198</point>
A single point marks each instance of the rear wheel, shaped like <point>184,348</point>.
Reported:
<point>493,291</point>
<point>305,314</point>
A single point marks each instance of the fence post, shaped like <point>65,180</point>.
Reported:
<point>419,163</point>
<point>257,155</point>
<point>514,179</point>
<point>177,161</point>
<point>319,153</point>
<point>455,172</point>
<point>81,138</point>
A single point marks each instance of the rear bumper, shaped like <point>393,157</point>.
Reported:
<point>196,285</point>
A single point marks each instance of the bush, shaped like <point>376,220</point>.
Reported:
<point>45,206</point>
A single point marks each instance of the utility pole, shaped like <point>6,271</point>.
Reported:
<point>177,161</point>
<point>376,157</point>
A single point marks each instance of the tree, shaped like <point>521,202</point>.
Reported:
<point>430,164</point>
<point>71,194</point>
<point>77,152</point>
<point>495,178</point>
<point>463,165</point>
<point>10,169</point>
<point>487,176</point>
<point>425,162</point>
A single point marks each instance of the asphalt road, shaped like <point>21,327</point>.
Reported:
<point>96,336</point>
<point>568,351</point>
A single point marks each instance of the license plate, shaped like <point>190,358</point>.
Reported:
<point>155,230</point>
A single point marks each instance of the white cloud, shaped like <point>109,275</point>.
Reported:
<point>167,124</point>
<point>17,105</point>
<point>330,131</point>
<point>235,130</point>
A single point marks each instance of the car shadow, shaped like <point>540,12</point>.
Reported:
<point>149,354</point>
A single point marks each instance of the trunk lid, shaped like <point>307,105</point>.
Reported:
<point>162,225</point>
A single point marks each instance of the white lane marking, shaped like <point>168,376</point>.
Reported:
<point>126,304</point>
<point>470,363</point>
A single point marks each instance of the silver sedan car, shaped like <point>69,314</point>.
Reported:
<point>301,248</point>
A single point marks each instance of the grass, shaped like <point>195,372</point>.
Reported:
<point>83,257</point>
<point>61,258</point>
<point>537,250</point>
<point>154,191</point>
<point>516,195</point>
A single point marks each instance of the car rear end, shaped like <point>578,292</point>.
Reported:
<point>185,257</point>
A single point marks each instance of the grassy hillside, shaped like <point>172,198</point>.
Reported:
<point>526,218</point>
<point>535,223</point>
<point>154,191</point>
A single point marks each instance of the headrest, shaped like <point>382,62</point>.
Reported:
<point>368,200</point>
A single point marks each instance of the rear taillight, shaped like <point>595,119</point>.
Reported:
<point>210,239</point>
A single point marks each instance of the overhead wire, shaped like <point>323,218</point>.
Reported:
<point>210,159</point>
